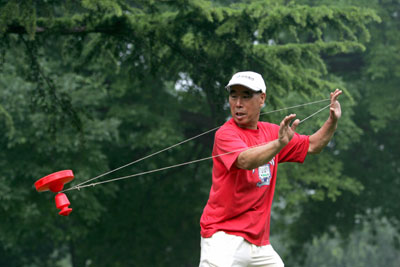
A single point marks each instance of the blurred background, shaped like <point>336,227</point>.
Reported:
<point>92,85</point>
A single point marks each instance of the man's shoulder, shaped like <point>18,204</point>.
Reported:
<point>228,126</point>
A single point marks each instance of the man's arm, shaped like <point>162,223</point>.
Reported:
<point>322,137</point>
<point>255,157</point>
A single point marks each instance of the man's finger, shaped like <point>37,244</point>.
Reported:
<point>338,93</point>
<point>295,124</point>
<point>335,95</point>
<point>288,119</point>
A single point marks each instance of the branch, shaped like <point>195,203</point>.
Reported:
<point>77,25</point>
<point>18,29</point>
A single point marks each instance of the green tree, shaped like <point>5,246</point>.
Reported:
<point>360,248</point>
<point>372,159</point>
<point>95,84</point>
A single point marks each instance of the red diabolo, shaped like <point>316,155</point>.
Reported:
<point>62,203</point>
<point>55,183</point>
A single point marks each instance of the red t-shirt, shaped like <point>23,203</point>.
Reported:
<point>240,200</point>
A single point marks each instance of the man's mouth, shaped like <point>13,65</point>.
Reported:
<point>240,115</point>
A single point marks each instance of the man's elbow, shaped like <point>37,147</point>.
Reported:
<point>314,149</point>
<point>242,163</point>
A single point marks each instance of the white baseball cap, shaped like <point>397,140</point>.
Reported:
<point>250,79</point>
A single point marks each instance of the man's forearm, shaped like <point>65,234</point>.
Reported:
<point>322,137</point>
<point>256,156</point>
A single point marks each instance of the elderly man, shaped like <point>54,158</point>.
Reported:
<point>236,219</point>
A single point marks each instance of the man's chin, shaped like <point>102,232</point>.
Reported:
<point>241,122</point>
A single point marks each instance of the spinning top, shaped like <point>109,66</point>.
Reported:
<point>55,183</point>
<point>62,203</point>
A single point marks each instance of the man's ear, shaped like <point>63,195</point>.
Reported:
<point>263,96</point>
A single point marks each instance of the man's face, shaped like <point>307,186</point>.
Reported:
<point>245,106</point>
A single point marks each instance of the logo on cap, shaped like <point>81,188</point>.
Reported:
<point>245,76</point>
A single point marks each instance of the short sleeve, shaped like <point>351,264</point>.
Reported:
<point>296,150</point>
<point>227,141</point>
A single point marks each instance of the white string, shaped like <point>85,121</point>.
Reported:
<point>148,156</point>
<point>297,106</point>
<point>315,113</point>
<point>160,169</point>
<point>82,185</point>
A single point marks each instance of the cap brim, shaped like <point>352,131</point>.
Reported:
<point>229,85</point>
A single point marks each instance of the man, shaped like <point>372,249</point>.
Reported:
<point>236,220</point>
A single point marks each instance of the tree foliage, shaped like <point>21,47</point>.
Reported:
<point>372,160</point>
<point>359,249</point>
<point>93,85</point>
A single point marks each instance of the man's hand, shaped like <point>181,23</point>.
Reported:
<point>335,110</point>
<point>257,156</point>
<point>321,138</point>
<point>286,131</point>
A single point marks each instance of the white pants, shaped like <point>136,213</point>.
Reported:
<point>224,250</point>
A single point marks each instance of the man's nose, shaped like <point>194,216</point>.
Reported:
<point>239,102</point>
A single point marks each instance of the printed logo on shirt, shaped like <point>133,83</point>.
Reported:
<point>264,173</point>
